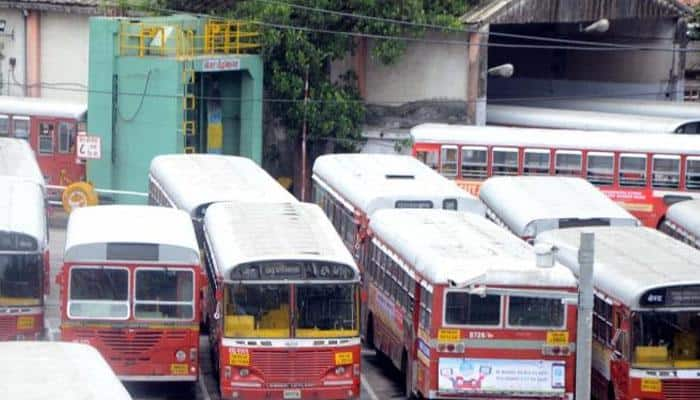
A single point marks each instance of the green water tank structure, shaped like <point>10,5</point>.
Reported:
<point>175,84</point>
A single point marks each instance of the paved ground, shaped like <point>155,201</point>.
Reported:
<point>379,381</point>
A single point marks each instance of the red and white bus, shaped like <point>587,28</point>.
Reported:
<point>350,187</point>
<point>530,205</point>
<point>24,259</point>
<point>192,182</point>
<point>50,127</point>
<point>646,318</point>
<point>683,222</point>
<point>129,287</point>
<point>557,118</point>
<point>460,306</point>
<point>286,320</point>
<point>645,173</point>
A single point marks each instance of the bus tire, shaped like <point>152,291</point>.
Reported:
<point>407,376</point>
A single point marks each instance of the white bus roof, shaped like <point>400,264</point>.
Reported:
<point>239,233</point>
<point>629,261</point>
<point>660,143</point>
<point>529,205</point>
<point>460,249</point>
<point>194,180</point>
<point>540,117</point>
<point>656,108</point>
<point>92,229</point>
<point>18,159</point>
<point>22,209</point>
<point>57,371</point>
<point>687,215</point>
<point>34,106</point>
<point>375,181</point>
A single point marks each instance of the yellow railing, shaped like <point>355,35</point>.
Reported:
<point>220,37</point>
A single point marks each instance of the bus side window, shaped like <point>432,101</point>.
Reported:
<point>20,127</point>
<point>600,168</point>
<point>536,162</point>
<point>46,138</point>
<point>474,162</point>
<point>428,158</point>
<point>66,137</point>
<point>633,170</point>
<point>448,161</point>
<point>692,173</point>
<point>666,171</point>
<point>567,163</point>
<point>505,161</point>
<point>4,125</point>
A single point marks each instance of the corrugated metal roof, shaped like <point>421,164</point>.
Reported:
<point>65,6</point>
<point>562,11</point>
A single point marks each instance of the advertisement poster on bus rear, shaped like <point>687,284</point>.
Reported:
<point>484,375</point>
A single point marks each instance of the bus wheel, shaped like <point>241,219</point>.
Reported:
<point>407,376</point>
<point>369,335</point>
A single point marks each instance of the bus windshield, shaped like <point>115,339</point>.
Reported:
<point>20,279</point>
<point>666,339</point>
<point>99,292</point>
<point>163,293</point>
<point>264,311</point>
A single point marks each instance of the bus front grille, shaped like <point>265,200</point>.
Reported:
<point>126,343</point>
<point>681,389</point>
<point>295,367</point>
<point>7,327</point>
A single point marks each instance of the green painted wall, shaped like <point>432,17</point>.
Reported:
<point>144,116</point>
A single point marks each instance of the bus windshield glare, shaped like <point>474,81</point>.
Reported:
<point>263,310</point>
<point>20,279</point>
<point>666,339</point>
<point>164,294</point>
<point>99,292</point>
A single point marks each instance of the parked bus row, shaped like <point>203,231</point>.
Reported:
<point>415,261</point>
<point>644,172</point>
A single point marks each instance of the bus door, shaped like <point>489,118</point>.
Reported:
<point>42,138</point>
<point>70,169</point>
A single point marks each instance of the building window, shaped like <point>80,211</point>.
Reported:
<point>428,158</point>
<point>505,161</point>
<point>448,161</point>
<point>474,163</point>
<point>536,162</point>
<point>4,125</point>
<point>46,132</point>
<point>66,137</point>
<point>692,173</point>
<point>633,170</point>
<point>567,163</point>
<point>666,171</point>
<point>600,170</point>
<point>20,126</point>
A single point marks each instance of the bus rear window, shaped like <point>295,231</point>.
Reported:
<point>462,308</point>
<point>535,312</point>
<point>99,293</point>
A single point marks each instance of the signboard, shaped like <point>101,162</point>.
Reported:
<point>488,376</point>
<point>89,147</point>
<point>221,64</point>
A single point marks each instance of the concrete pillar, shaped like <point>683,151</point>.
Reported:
<point>360,65</point>
<point>251,111</point>
<point>33,61</point>
<point>477,61</point>
<point>676,85</point>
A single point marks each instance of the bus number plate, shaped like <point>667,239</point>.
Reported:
<point>448,335</point>
<point>557,338</point>
<point>292,394</point>
<point>343,358</point>
<point>651,385</point>
<point>178,369</point>
<point>239,357</point>
<point>24,323</point>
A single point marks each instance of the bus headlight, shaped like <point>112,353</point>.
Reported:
<point>180,356</point>
<point>339,370</point>
<point>243,372</point>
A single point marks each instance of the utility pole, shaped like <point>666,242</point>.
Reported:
<point>585,316</point>
<point>303,137</point>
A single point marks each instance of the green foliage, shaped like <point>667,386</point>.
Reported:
<point>335,108</point>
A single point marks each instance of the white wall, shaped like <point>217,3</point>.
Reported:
<point>425,71</point>
<point>13,47</point>
<point>64,54</point>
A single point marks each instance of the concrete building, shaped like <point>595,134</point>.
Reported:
<point>435,74</point>
<point>44,48</point>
